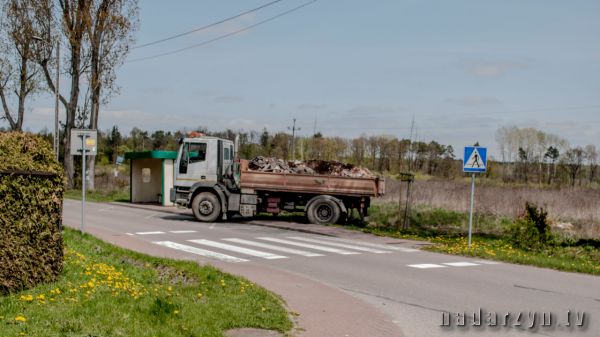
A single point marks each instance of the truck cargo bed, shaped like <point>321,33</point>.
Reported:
<point>318,184</point>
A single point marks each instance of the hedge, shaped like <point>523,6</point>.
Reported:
<point>31,192</point>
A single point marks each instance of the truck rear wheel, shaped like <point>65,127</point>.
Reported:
<point>323,211</point>
<point>206,207</point>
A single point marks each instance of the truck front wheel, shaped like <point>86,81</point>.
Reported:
<point>323,211</point>
<point>206,207</point>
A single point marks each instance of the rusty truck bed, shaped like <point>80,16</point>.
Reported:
<point>318,184</point>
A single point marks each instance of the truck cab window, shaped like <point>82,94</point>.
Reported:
<point>226,154</point>
<point>197,152</point>
<point>191,153</point>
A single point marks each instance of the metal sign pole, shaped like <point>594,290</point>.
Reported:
<point>83,137</point>
<point>471,212</point>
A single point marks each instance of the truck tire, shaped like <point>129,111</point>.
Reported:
<point>206,207</point>
<point>323,211</point>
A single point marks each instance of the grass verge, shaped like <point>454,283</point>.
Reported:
<point>446,230</point>
<point>108,291</point>
<point>99,195</point>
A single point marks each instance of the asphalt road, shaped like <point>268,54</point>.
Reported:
<point>414,288</point>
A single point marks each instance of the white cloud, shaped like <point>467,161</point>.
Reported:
<point>228,99</point>
<point>229,26</point>
<point>127,119</point>
<point>242,124</point>
<point>371,110</point>
<point>308,106</point>
<point>474,101</point>
<point>494,68</point>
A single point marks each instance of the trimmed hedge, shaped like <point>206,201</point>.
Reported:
<point>31,192</point>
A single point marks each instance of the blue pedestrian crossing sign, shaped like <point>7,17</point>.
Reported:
<point>475,159</point>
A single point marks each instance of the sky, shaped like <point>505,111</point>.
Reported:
<point>461,69</point>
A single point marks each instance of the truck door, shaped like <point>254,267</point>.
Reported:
<point>192,165</point>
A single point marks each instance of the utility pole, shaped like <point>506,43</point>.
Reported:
<point>56,94</point>
<point>294,129</point>
<point>410,145</point>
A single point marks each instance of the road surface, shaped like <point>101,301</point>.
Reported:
<point>420,292</point>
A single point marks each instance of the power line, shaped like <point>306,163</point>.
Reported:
<point>224,35</point>
<point>206,26</point>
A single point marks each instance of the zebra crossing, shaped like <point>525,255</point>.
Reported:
<point>237,250</point>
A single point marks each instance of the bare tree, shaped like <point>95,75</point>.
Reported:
<point>573,162</point>
<point>23,25</point>
<point>358,148</point>
<point>110,34</point>
<point>74,17</point>
<point>592,158</point>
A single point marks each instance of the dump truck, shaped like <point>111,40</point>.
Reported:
<point>216,185</point>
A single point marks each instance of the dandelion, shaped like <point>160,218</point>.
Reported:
<point>27,298</point>
<point>21,319</point>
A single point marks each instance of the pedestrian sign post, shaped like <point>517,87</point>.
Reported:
<point>83,143</point>
<point>474,161</point>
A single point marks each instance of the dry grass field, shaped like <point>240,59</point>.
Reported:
<point>577,206</point>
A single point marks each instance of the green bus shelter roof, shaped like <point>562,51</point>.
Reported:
<point>151,154</point>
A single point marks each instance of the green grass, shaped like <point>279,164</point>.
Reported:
<point>109,291</point>
<point>99,195</point>
<point>446,230</point>
<point>426,220</point>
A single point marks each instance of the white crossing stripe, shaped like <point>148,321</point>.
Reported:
<point>374,245</point>
<point>149,233</point>
<point>460,264</point>
<point>198,251</point>
<point>426,265</point>
<point>342,245</point>
<point>273,247</point>
<point>237,249</point>
<point>129,234</point>
<point>307,245</point>
<point>488,262</point>
<point>182,232</point>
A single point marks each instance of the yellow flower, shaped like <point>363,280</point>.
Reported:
<point>20,319</point>
<point>27,298</point>
<point>176,312</point>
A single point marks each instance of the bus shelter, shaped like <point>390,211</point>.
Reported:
<point>151,176</point>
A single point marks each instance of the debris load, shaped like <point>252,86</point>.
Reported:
<point>311,167</point>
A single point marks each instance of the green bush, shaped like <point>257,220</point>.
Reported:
<point>531,231</point>
<point>31,192</point>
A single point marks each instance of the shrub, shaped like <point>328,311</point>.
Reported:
<point>531,231</point>
<point>31,192</point>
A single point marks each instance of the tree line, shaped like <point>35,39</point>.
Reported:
<point>527,156</point>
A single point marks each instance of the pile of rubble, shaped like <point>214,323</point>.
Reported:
<point>311,167</point>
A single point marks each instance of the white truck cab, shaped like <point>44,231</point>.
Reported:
<point>203,159</point>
